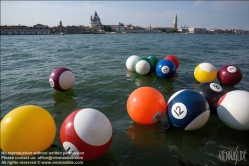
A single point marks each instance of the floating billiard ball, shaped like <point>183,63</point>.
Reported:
<point>62,79</point>
<point>86,133</point>
<point>154,61</point>
<point>229,75</point>
<point>233,109</point>
<point>146,105</point>
<point>27,129</point>
<point>205,72</point>
<point>174,59</point>
<point>143,66</point>
<point>188,110</point>
<point>165,69</point>
<point>130,62</point>
<point>212,92</point>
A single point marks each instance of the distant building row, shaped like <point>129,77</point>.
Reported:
<point>24,30</point>
<point>40,29</point>
<point>97,27</point>
<point>212,31</point>
<point>121,28</point>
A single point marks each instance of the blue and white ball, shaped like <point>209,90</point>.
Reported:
<point>165,69</point>
<point>130,62</point>
<point>188,110</point>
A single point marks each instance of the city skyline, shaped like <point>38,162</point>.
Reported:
<point>201,14</point>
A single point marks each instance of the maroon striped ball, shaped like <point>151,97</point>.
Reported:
<point>229,75</point>
<point>62,79</point>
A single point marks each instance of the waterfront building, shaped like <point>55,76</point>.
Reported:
<point>212,31</point>
<point>120,27</point>
<point>135,29</point>
<point>76,29</point>
<point>238,32</point>
<point>245,32</point>
<point>164,29</point>
<point>115,28</point>
<point>95,22</point>
<point>183,29</point>
<point>37,29</point>
<point>197,30</point>
<point>58,29</point>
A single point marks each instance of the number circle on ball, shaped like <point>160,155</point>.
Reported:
<point>231,69</point>
<point>165,69</point>
<point>51,82</point>
<point>215,87</point>
<point>179,110</point>
<point>71,149</point>
<point>158,115</point>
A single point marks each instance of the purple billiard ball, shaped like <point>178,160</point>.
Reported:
<point>62,79</point>
<point>229,75</point>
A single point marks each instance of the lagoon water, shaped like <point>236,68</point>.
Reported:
<point>102,82</point>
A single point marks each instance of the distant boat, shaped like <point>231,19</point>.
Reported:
<point>100,32</point>
<point>62,33</point>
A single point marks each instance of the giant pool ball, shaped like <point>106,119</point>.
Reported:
<point>27,129</point>
<point>205,72</point>
<point>62,79</point>
<point>229,75</point>
<point>188,110</point>
<point>233,109</point>
<point>165,69</point>
<point>154,61</point>
<point>212,92</point>
<point>174,59</point>
<point>146,105</point>
<point>130,62</point>
<point>86,133</point>
<point>143,66</point>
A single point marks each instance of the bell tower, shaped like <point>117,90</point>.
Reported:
<point>175,22</point>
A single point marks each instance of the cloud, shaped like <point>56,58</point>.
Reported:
<point>230,6</point>
<point>199,2</point>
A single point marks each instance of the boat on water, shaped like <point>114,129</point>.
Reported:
<point>62,33</point>
<point>99,33</point>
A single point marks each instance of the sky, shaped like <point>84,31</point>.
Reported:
<point>198,14</point>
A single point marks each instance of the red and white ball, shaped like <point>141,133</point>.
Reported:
<point>233,109</point>
<point>86,133</point>
<point>62,79</point>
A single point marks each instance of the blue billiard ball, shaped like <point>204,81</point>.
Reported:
<point>165,69</point>
<point>188,110</point>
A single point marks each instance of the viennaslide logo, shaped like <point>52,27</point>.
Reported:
<point>232,155</point>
